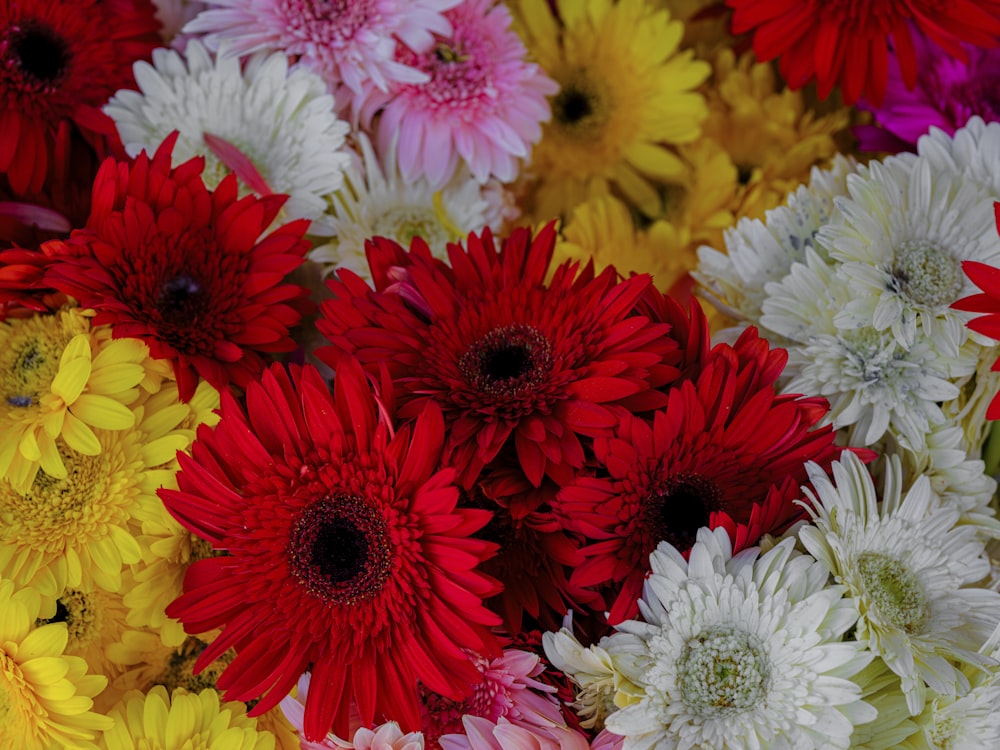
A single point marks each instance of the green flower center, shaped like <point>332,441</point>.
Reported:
<point>723,672</point>
<point>926,274</point>
<point>896,595</point>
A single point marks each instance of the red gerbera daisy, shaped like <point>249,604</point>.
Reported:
<point>846,42</point>
<point>986,278</point>
<point>726,451</point>
<point>345,552</point>
<point>60,61</point>
<point>164,259</point>
<point>509,358</point>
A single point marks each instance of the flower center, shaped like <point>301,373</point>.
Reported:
<point>579,106</point>
<point>507,361</point>
<point>80,612</point>
<point>680,507</point>
<point>927,274</point>
<point>181,300</point>
<point>403,224</point>
<point>339,550</point>
<point>38,53</point>
<point>896,594</point>
<point>723,672</point>
<point>29,355</point>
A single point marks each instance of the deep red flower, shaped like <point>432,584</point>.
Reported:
<point>510,359</point>
<point>535,554</point>
<point>726,451</point>
<point>60,61</point>
<point>164,259</point>
<point>846,42</point>
<point>987,278</point>
<point>345,552</point>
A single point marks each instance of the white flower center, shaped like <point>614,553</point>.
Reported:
<point>943,732</point>
<point>405,223</point>
<point>723,671</point>
<point>897,597</point>
<point>926,274</point>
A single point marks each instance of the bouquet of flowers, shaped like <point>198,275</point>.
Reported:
<point>480,375</point>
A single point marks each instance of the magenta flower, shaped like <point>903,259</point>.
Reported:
<point>947,94</point>
<point>482,104</point>
<point>347,42</point>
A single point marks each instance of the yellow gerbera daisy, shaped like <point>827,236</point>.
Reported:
<point>167,547</point>
<point>78,530</point>
<point>45,696</point>
<point>94,620</point>
<point>193,721</point>
<point>626,93</point>
<point>603,229</point>
<point>769,132</point>
<point>60,378</point>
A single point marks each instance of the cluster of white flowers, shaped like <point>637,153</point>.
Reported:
<point>878,636</point>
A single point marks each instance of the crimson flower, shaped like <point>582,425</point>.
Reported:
<point>726,451</point>
<point>987,278</point>
<point>60,61</point>
<point>164,259</point>
<point>846,43</point>
<point>509,358</point>
<point>345,553</point>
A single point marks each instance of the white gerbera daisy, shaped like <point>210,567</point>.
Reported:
<point>275,129</point>
<point>873,384</point>
<point>378,202</point>
<point>902,236</point>
<point>758,252</point>
<point>973,152</point>
<point>908,564</point>
<point>739,652</point>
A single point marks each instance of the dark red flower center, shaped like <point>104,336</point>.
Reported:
<point>679,508</point>
<point>38,52</point>
<point>339,550</point>
<point>181,300</point>
<point>507,361</point>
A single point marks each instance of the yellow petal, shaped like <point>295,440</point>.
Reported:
<point>69,383</point>
<point>103,412</point>
<point>50,460</point>
<point>80,438</point>
<point>47,640</point>
<point>44,670</point>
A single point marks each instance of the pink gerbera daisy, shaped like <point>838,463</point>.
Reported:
<point>482,104</point>
<point>346,41</point>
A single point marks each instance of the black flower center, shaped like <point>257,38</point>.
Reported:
<point>571,105</point>
<point>39,53</point>
<point>181,299</point>
<point>339,550</point>
<point>682,506</point>
<point>507,361</point>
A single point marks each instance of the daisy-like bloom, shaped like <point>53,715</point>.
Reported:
<point>185,269</point>
<point>386,736</point>
<point>275,129</point>
<point>973,152</point>
<point>326,510</point>
<point>842,44</point>
<point>769,132</point>
<point>480,733</point>
<point>45,696</point>
<point>948,92</point>
<point>987,302</point>
<point>726,451</point>
<point>94,619</point>
<point>79,530</point>
<point>182,719</point>
<point>626,91</point>
<point>739,651</point>
<point>603,230</point>
<point>346,42</point>
<point>482,105</point>
<point>912,570</point>
<point>60,60</point>
<point>505,690</point>
<point>873,385</point>
<point>61,378</point>
<point>509,358</point>
<point>904,257</point>
<point>758,251</point>
<point>377,202</point>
